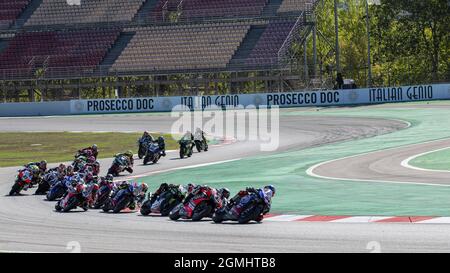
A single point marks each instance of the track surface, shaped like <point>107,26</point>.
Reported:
<point>47,230</point>
<point>386,165</point>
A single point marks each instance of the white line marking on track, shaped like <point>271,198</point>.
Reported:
<point>181,168</point>
<point>405,163</point>
<point>310,170</point>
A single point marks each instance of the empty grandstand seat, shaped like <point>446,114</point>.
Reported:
<point>191,9</point>
<point>55,12</point>
<point>166,48</point>
<point>57,49</point>
<point>266,49</point>
<point>10,10</point>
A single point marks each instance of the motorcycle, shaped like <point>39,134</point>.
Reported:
<point>200,206</point>
<point>250,207</point>
<point>102,195</point>
<point>122,199</point>
<point>23,182</point>
<point>73,198</point>
<point>153,154</point>
<point>57,190</point>
<point>201,145</point>
<point>164,204</point>
<point>120,164</point>
<point>185,148</point>
<point>79,163</point>
<point>46,183</point>
<point>143,146</point>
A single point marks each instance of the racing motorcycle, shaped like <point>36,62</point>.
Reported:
<point>185,148</point>
<point>143,146</point>
<point>103,194</point>
<point>201,145</point>
<point>121,200</point>
<point>58,189</point>
<point>200,206</point>
<point>23,182</point>
<point>164,203</point>
<point>79,163</point>
<point>47,181</point>
<point>120,164</point>
<point>75,197</point>
<point>153,153</point>
<point>250,207</point>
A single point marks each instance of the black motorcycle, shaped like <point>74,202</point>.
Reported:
<point>163,204</point>
<point>153,153</point>
<point>122,200</point>
<point>185,148</point>
<point>201,145</point>
<point>143,146</point>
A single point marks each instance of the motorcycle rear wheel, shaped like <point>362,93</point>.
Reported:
<point>201,212</point>
<point>146,208</point>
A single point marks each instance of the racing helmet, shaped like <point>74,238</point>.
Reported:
<point>224,192</point>
<point>34,169</point>
<point>144,187</point>
<point>43,163</point>
<point>123,185</point>
<point>94,147</point>
<point>190,187</point>
<point>129,153</point>
<point>109,178</point>
<point>270,188</point>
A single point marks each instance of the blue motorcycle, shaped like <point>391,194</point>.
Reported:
<point>123,199</point>
<point>153,153</point>
<point>58,189</point>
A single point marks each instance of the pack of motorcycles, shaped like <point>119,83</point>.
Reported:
<point>106,195</point>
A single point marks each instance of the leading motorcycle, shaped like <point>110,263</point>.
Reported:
<point>250,207</point>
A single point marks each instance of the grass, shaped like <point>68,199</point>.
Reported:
<point>439,160</point>
<point>20,148</point>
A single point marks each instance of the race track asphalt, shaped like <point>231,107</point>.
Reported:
<point>48,231</point>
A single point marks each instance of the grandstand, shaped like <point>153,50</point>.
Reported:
<point>43,42</point>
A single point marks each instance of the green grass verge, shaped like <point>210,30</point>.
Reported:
<point>439,160</point>
<point>20,148</point>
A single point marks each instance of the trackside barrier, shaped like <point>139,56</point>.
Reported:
<point>291,99</point>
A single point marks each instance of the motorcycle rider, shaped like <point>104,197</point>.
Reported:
<point>199,189</point>
<point>130,160</point>
<point>200,135</point>
<point>147,137</point>
<point>162,145</point>
<point>61,169</point>
<point>188,136</point>
<point>92,162</point>
<point>164,187</point>
<point>139,191</point>
<point>42,165</point>
<point>89,151</point>
<point>51,177</point>
<point>268,192</point>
